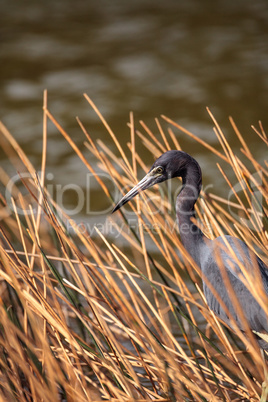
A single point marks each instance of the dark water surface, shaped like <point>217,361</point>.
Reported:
<point>151,57</point>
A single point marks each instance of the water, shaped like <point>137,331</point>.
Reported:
<point>151,57</point>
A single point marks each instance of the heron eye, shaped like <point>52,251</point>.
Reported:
<point>159,169</point>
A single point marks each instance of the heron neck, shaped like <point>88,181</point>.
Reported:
<point>191,235</point>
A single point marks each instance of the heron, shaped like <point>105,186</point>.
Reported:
<point>211,256</point>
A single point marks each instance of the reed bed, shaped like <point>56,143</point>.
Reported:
<point>91,318</point>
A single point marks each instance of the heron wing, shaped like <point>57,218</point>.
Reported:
<point>235,257</point>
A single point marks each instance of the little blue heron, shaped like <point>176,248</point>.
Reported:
<point>212,256</point>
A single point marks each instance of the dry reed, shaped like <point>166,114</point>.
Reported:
<point>82,320</point>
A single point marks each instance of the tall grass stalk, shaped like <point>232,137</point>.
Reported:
<point>90,318</point>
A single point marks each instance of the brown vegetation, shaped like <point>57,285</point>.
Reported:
<point>82,320</point>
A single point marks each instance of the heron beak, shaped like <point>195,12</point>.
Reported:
<point>148,181</point>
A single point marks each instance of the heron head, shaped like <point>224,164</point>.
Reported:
<point>168,165</point>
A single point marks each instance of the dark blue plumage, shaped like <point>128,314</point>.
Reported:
<point>212,256</point>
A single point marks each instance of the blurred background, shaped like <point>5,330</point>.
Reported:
<point>150,57</point>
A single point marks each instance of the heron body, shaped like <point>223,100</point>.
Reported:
<point>220,267</point>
